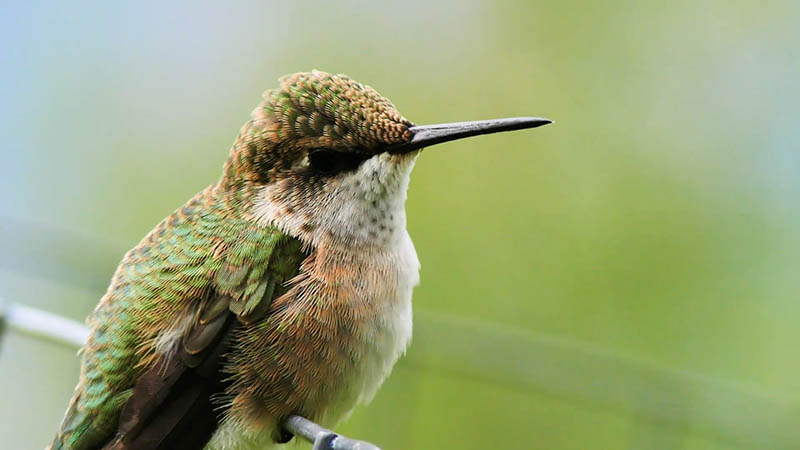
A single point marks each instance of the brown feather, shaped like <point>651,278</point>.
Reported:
<point>172,404</point>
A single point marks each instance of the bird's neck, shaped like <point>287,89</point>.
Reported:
<point>367,211</point>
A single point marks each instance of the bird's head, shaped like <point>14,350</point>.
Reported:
<point>327,158</point>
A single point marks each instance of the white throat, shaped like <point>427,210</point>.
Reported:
<point>365,207</point>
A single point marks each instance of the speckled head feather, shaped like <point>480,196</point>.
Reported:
<point>344,112</point>
<point>310,110</point>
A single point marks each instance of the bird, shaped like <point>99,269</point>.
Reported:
<point>282,289</point>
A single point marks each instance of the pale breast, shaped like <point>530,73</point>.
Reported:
<point>389,276</point>
<point>396,318</point>
<point>380,297</point>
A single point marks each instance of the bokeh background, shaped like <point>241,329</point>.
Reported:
<point>624,278</point>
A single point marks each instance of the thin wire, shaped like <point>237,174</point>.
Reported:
<point>50,327</point>
<point>44,325</point>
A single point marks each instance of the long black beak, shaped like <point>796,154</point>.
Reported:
<point>427,135</point>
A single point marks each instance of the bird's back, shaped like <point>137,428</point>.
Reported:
<point>153,293</point>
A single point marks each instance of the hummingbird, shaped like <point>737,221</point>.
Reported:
<point>282,289</point>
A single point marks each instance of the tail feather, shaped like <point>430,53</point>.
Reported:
<point>81,430</point>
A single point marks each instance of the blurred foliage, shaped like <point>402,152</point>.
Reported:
<point>656,219</point>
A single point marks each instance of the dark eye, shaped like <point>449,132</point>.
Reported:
<point>322,161</point>
<point>330,162</point>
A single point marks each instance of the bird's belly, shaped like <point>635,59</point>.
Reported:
<point>383,334</point>
<point>378,355</point>
<point>349,352</point>
<point>385,341</point>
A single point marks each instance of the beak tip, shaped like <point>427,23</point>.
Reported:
<point>538,121</point>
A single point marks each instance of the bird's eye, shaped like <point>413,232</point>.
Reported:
<point>322,161</point>
<point>329,162</point>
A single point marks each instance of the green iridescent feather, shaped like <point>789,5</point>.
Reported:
<point>205,248</point>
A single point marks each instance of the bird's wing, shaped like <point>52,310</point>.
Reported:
<point>172,405</point>
<point>223,270</point>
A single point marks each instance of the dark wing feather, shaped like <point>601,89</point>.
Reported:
<point>172,405</point>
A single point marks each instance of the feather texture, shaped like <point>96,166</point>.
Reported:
<point>203,260</point>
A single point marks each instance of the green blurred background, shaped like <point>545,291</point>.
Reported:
<point>624,278</point>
